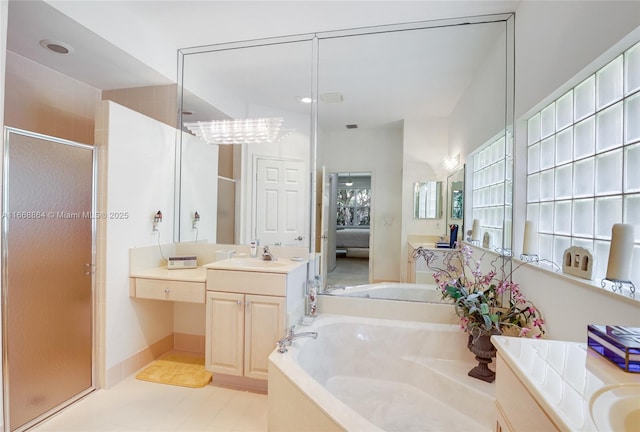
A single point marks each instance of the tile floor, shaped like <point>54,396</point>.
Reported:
<point>140,406</point>
<point>349,272</point>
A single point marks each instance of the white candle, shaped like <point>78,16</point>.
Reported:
<point>528,244</point>
<point>506,233</point>
<point>475,230</point>
<point>619,266</point>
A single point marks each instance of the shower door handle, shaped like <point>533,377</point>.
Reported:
<point>89,269</point>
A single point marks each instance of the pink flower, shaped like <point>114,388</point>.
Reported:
<point>524,331</point>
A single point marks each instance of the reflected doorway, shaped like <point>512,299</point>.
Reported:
<point>350,206</point>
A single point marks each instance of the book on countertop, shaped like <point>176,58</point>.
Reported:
<point>620,345</point>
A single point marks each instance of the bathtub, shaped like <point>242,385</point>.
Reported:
<point>364,374</point>
<point>393,291</point>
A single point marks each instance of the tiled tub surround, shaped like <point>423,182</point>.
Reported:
<point>564,382</point>
<point>393,291</point>
<point>373,374</point>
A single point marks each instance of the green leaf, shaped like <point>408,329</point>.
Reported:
<point>484,308</point>
<point>453,292</point>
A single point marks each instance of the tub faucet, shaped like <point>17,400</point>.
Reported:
<point>266,254</point>
<point>330,288</point>
<point>291,336</point>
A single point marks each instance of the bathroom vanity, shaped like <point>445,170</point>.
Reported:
<point>417,270</point>
<point>562,386</point>
<point>250,303</point>
<point>159,283</point>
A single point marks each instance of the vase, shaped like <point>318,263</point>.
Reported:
<point>480,345</point>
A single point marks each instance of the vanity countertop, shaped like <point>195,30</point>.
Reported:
<point>565,378</point>
<point>426,245</point>
<point>280,265</point>
<point>198,274</point>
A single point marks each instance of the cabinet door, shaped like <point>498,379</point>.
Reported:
<point>264,325</point>
<point>225,331</point>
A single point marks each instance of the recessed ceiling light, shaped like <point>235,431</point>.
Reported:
<point>56,46</point>
<point>304,99</point>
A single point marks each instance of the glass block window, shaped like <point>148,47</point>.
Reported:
<point>491,189</point>
<point>583,166</point>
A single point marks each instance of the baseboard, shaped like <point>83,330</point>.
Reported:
<point>131,365</point>
<point>189,342</point>
<point>240,383</point>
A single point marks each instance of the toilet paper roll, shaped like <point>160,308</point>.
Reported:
<point>621,252</point>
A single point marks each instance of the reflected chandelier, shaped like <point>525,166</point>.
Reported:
<point>240,131</point>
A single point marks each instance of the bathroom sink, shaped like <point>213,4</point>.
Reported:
<point>616,408</point>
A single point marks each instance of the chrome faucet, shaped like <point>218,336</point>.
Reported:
<point>291,336</point>
<point>267,256</point>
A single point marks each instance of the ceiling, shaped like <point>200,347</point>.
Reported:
<point>121,44</point>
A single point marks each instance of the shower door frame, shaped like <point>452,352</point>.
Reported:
<point>6,425</point>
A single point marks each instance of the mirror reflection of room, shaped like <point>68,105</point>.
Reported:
<point>350,201</point>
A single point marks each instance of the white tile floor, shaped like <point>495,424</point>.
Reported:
<point>140,406</point>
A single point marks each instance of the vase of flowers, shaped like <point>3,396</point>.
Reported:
<point>487,301</point>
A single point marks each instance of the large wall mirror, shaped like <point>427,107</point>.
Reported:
<point>389,103</point>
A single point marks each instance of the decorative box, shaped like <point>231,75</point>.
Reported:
<point>621,345</point>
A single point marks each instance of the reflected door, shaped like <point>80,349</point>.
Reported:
<point>281,204</point>
<point>47,275</point>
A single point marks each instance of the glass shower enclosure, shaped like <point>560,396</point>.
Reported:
<point>48,221</point>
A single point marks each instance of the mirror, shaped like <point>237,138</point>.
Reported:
<point>262,80</point>
<point>391,101</point>
<point>455,201</point>
<point>427,200</point>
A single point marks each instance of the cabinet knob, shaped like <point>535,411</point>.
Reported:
<point>167,291</point>
<point>239,303</point>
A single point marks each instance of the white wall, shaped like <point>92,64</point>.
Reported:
<point>378,151</point>
<point>556,40</point>
<point>199,189</point>
<point>140,182</point>
<point>567,304</point>
<point>424,148</point>
<point>480,113</point>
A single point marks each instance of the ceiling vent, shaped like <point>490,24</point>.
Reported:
<point>352,126</point>
<point>331,97</point>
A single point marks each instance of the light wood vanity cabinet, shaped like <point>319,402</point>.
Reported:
<point>168,290</point>
<point>517,410</point>
<point>245,318</point>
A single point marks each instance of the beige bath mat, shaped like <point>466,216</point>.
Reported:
<point>177,369</point>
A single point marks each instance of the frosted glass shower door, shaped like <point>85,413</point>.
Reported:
<point>47,275</point>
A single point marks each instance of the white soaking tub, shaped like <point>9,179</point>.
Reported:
<point>393,291</point>
<point>367,374</point>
